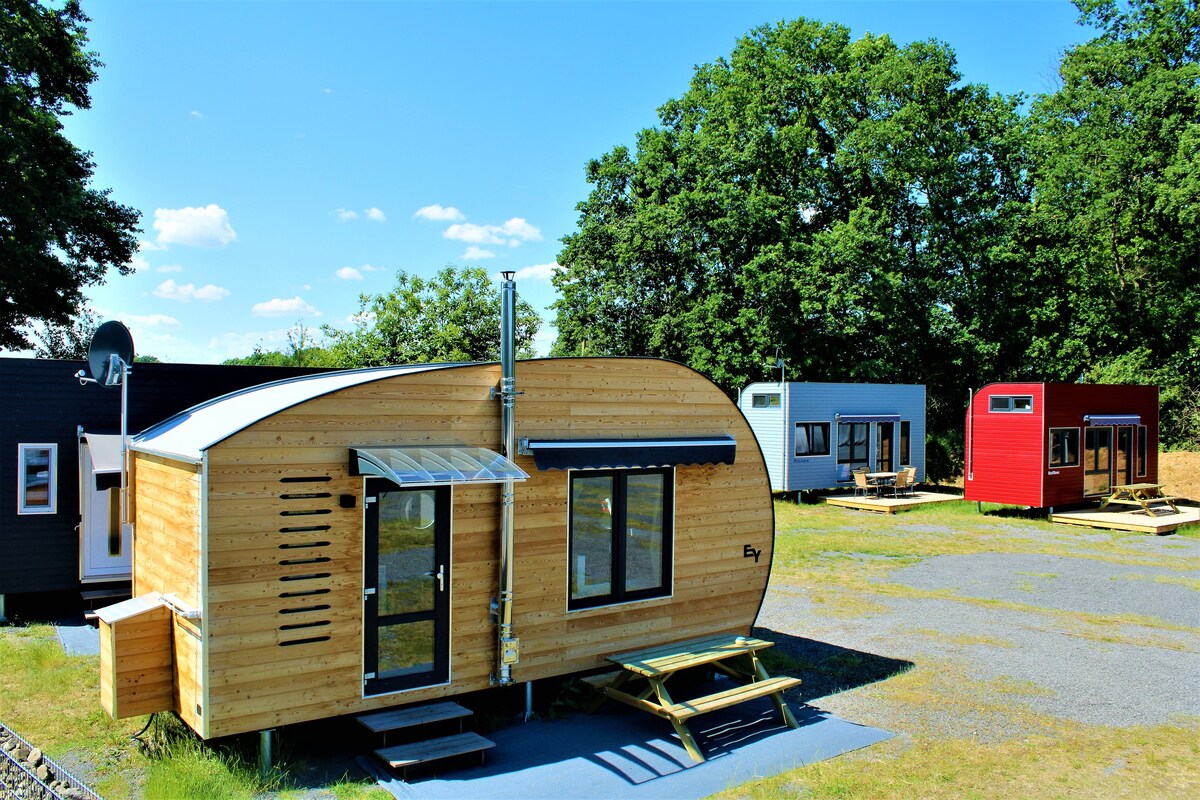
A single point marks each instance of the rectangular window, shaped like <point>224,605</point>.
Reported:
<point>1064,447</point>
<point>812,439</point>
<point>1142,447</point>
<point>37,478</point>
<point>905,442</point>
<point>852,444</point>
<point>1020,404</point>
<point>765,401</point>
<point>620,531</point>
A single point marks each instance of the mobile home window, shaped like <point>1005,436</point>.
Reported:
<point>1022,403</point>
<point>812,439</point>
<point>37,478</point>
<point>1142,446</point>
<point>620,526</point>
<point>852,443</point>
<point>765,401</point>
<point>1064,447</point>
<point>905,442</point>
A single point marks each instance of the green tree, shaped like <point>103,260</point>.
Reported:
<point>57,235</point>
<point>302,351</point>
<point>849,202</point>
<point>1116,227</point>
<point>66,341</point>
<point>453,317</point>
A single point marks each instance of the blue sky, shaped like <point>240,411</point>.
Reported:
<point>288,156</point>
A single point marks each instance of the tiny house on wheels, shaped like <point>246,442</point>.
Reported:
<point>813,434</point>
<point>60,462</point>
<point>372,538</point>
<point>1058,444</point>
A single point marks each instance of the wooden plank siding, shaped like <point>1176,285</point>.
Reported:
<point>257,675</point>
<point>136,675</point>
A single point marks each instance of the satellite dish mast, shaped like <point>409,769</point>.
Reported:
<point>110,359</point>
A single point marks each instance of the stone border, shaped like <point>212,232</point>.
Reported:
<point>27,774</point>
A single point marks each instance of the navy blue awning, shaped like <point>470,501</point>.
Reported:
<point>629,453</point>
<point>868,417</point>
<point>1113,419</point>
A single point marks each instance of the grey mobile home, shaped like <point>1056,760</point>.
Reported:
<point>813,434</point>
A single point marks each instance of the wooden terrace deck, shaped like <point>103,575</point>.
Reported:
<point>890,505</point>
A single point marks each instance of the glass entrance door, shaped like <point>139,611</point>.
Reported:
<point>1123,468</point>
<point>1097,460</point>
<point>883,446</point>
<point>407,587</point>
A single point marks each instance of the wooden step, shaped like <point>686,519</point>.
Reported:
<point>395,719</point>
<point>729,697</point>
<point>600,681</point>
<point>407,755</point>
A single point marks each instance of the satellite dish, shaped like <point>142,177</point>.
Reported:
<point>110,353</point>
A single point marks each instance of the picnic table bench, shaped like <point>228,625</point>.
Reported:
<point>1144,495</point>
<point>735,656</point>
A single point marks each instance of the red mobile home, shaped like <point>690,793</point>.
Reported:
<point>1059,444</point>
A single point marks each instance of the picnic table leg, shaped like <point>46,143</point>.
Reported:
<point>778,699</point>
<point>621,678</point>
<point>685,736</point>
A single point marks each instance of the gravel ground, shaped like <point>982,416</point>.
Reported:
<point>1074,637</point>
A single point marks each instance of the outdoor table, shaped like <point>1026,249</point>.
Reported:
<point>1145,495</point>
<point>736,656</point>
<point>881,478</point>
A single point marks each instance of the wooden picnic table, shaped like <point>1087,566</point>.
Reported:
<point>736,656</point>
<point>1145,495</point>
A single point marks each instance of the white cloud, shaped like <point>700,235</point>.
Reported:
<point>278,307</point>
<point>151,320</point>
<point>369,268</point>
<point>375,215</point>
<point>439,214</point>
<point>169,268</point>
<point>195,115</point>
<point>349,274</point>
<point>149,247</point>
<point>345,215</point>
<point>537,272</point>
<point>511,233</point>
<point>139,263</point>
<point>195,227</point>
<point>187,292</point>
<point>475,253</point>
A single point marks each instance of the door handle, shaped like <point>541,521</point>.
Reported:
<point>440,575</point>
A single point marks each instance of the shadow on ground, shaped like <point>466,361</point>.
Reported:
<point>824,668</point>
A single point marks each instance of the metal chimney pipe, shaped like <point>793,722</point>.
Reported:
<point>508,646</point>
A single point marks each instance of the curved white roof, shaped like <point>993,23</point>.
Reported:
<point>189,433</point>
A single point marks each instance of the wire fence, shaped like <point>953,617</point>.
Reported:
<point>22,776</point>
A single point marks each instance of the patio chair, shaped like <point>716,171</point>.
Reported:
<point>901,483</point>
<point>861,484</point>
<point>912,479</point>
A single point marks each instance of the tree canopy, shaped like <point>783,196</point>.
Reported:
<point>452,317</point>
<point>857,206</point>
<point>57,235</point>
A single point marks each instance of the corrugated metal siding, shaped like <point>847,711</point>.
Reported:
<point>41,401</point>
<point>1006,451</point>
<point>822,402</point>
<point>767,424</point>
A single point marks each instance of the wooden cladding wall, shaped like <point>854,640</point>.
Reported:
<point>136,666</point>
<point>283,551</point>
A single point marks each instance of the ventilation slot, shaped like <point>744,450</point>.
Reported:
<point>304,495</point>
<point>308,512</point>
<point>300,625</point>
<point>304,528</point>
<point>311,576</point>
<point>291,562</point>
<point>304,609</point>
<point>304,593</point>
<point>306,479</point>
<point>301,545</point>
<point>313,640</point>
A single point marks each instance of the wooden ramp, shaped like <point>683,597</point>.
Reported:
<point>888,504</point>
<point>1162,521</point>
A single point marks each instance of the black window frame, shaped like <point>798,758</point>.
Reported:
<point>1142,451</point>
<point>808,435</point>
<point>769,400</point>
<point>1009,404</point>
<point>904,449</point>
<point>617,504</point>
<point>1050,448</point>
<point>851,460</point>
